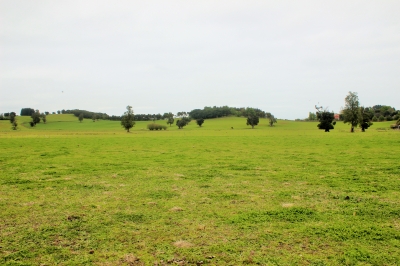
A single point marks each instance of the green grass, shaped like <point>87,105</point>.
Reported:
<point>89,193</point>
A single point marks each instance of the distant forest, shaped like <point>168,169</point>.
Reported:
<point>206,112</point>
<point>376,113</point>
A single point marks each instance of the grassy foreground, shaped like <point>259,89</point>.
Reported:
<point>89,193</point>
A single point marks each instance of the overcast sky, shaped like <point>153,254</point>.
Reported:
<point>283,57</point>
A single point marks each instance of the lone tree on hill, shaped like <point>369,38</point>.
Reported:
<point>199,121</point>
<point>127,119</point>
<point>325,118</point>
<point>351,111</point>
<point>271,118</point>
<point>252,117</point>
<point>80,117</point>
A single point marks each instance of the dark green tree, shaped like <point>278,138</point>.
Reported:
<point>127,119</point>
<point>12,117</point>
<point>94,117</point>
<point>199,121</point>
<point>27,111</point>
<point>252,117</point>
<point>36,117</point>
<point>325,118</point>
<point>80,117</point>
<point>365,121</point>
<point>351,111</point>
<point>184,121</point>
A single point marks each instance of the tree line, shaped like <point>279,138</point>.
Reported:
<point>376,113</point>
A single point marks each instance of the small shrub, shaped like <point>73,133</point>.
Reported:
<point>154,126</point>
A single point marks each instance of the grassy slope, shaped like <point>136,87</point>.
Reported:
<point>268,196</point>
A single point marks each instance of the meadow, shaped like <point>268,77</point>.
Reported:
<point>91,194</point>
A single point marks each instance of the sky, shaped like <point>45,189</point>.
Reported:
<point>283,57</point>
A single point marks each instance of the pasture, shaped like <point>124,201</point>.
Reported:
<point>89,193</point>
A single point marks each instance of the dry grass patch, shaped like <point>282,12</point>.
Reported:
<point>287,205</point>
<point>182,244</point>
<point>176,209</point>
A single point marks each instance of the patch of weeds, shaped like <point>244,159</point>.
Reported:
<point>16,181</point>
<point>292,215</point>
<point>240,167</point>
<point>225,196</point>
<point>162,194</point>
<point>130,217</point>
<point>16,257</point>
<point>318,263</point>
<point>89,186</point>
<point>345,232</point>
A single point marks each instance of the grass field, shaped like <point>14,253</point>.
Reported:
<point>89,193</point>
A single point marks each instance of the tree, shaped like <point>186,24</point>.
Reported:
<point>271,119</point>
<point>14,124</point>
<point>199,121</point>
<point>27,111</point>
<point>12,117</point>
<point>365,121</point>
<point>184,121</point>
<point>80,117</point>
<point>252,117</point>
<point>351,111</point>
<point>170,118</point>
<point>127,119</point>
<point>44,118</point>
<point>325,118</point>
<point>35,117</point>
<point>94,118</point>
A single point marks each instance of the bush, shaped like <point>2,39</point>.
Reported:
<point>154,126</point>
<point>374,118</point>
<point>389,118</point>
<point>381,118</point>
